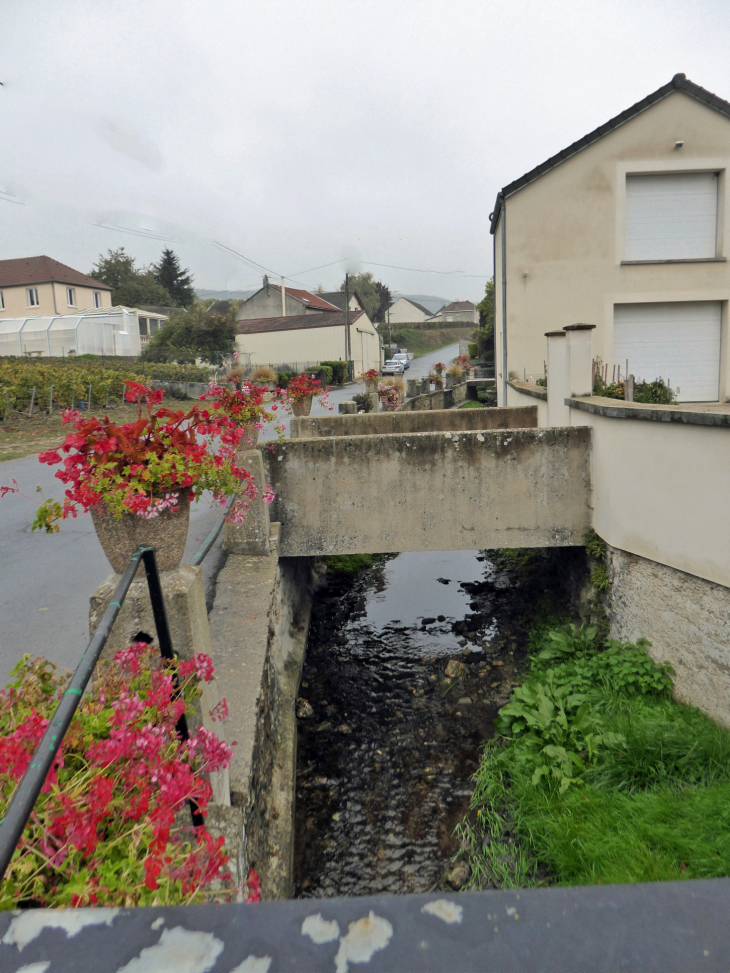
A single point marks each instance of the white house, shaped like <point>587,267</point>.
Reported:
<point>405,311</point>
<point>456,312</point>
<point>268,302</point>
<point>303,340</point>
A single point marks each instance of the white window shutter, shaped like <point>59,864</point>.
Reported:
<point>671,216</point>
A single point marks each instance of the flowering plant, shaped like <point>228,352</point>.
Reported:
<point>389,395</point>
<point>436,378</point>
<point>105,828</point>
<point>371,375</point>
<point>159,461</point>
<point>249,405</point>
<point>439,367</point>
<point>462,360</point>
<point>304,386</point>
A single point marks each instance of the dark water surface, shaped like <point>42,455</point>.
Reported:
<point>406,667</point>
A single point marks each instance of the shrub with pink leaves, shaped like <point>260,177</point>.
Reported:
<point>112,826</point>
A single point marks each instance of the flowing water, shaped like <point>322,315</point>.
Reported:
<point>406,667</point>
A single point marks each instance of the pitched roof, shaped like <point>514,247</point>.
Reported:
<point>416,304</point>
<point>297,322</point>
<point>678,83</point>
<point>43,270</point>
<point>308,299</point>
<point>457,306</point>
<point>338,298</point>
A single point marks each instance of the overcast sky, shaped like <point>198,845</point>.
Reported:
<point>304,132</point>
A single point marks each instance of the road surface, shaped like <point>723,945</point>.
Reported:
<point>46,580</point>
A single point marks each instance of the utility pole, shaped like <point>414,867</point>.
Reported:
<point>347,318</point>
<point>390,332</point>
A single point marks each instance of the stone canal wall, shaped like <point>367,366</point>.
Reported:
<point>432,491</point>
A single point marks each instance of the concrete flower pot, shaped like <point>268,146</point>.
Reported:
<point>302,407</point>
<point>167,533</point>
<point>250,437</point>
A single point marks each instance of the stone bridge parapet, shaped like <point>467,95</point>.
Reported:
<point>431,491</point>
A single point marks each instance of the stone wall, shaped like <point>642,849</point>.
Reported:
<point>436,420</point>
<point>687,621</point>
<point>440,399</point>
<point>432,491</point>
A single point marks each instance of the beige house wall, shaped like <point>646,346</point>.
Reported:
<point>565,236</point>
<point>52,297</point>
<point>314,345</point>
<point>403,312</point>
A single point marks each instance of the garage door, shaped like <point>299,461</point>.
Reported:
<point>679,342</point>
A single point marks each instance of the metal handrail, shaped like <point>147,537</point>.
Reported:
<point>213,535</point>
<point>26,793</point>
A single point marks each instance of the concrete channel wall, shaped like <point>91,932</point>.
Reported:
<point>432,491</point>
<point>388,423</point>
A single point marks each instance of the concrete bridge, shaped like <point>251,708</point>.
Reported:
<point>430,481</point>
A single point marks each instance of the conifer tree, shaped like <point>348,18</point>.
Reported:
<point>176,281</point>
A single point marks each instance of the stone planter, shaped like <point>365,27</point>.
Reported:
<point>250,437</point>
<point>371,386</point>
<point>302,407</point>
<point>167,533</point>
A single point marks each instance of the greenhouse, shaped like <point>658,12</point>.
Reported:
<point>112,332</point>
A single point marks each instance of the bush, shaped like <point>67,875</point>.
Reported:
<point>473,350</point>
<point>362,401</point>
<point>657,392</point>
<point>326,374</point>
<point>340,371</point>
<point>263,374</point>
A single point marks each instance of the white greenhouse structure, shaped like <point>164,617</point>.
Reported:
<point>114,331</point>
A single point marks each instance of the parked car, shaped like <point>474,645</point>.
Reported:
<point>393,367</point>
<point>402,356</point>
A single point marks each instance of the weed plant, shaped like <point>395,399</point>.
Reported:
<point>597,774</point>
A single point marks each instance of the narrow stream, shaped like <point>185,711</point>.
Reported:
<point>407,665</point>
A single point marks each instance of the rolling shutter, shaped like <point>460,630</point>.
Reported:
<point>679,342</point>
<point>671,217</point>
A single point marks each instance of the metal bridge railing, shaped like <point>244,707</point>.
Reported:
<point>26,793</point>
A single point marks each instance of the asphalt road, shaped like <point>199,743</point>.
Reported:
<point>46,580</point>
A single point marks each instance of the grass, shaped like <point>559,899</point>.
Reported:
<point>350,563</point>
<point>21,436</point>
<point>651,804</point>
<point>472,404</point>
<point>420,341</point>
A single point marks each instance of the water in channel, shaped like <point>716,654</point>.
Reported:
<point>406,667</point>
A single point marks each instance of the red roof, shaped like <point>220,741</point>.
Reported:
<point>308,299</point>
<point>296,322</point>
<point>43,270</point>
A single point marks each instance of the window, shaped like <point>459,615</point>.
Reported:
<point>671,216</point>
<point>143,326</point>
<point>97,298</point>
<point>71,296</point>
<point>32,293</point>
<point>154,325</point>
<point>2,302</point>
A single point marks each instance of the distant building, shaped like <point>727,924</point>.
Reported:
<point>304,340</point>
<point>338,299</point>
<point>266,303</point>
<point>405,311</point>
<point>43,286</point>
<point>455,312</point>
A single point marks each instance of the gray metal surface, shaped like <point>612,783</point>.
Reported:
<point>662,927</point>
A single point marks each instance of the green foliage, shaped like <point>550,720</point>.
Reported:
<point>485,342</point>
<point>350,563</point>
<point>362,401</point>
<point>486,308</point>
<point>141,291</point>
<point>612,390</point>
<point>172,278</point>
<point>595,545</point>
<point>657,392</point>
<point>339,371</point>
<point>374,296</point>
<point>473,350</point>
<point>600,579</point>
<point>326,376</point>
<point>131,286</point>
<point>541,382</point>
<point>196,332</point>
<point>115,269</point>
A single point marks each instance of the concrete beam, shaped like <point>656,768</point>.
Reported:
<point>432,491</point>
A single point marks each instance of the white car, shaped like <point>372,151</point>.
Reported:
<point>394,367</point>
<point>402,356</point>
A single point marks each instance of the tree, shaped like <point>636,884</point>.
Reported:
<point>115,269</point>
<point>484,334</point>
<point>140,290</point>
<point>369,291</point>
<point>131,286</point>
<point>386,299</point>
<point>196,332</point>
<point>177,282</point>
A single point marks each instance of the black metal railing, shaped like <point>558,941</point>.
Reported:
<point>27,791</point>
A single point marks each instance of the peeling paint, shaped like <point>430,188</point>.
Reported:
<point>35,967</point>
<point>26,927</point>
<point>364,938</point>
<point>180,950</point>
<point>320,930</point>
<point>253,964</point>
<point>450,912</point>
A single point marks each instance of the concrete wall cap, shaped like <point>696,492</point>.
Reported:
<point>579,327</point>
<point>555,334</point>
